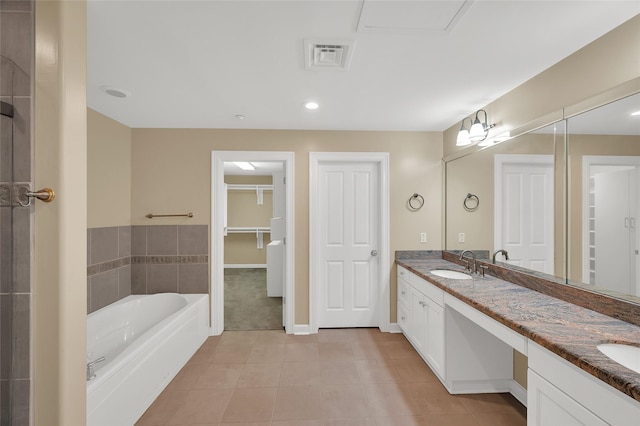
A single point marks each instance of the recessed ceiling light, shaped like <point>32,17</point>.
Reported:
<point>240,117</point>
<point>311,105</point>
<point>244,165</point>
<point>635,113</point>
<point>115,92</point>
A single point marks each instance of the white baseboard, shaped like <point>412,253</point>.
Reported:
<point>301,329</point>
<point>245,265</point>
<point>478,386</point>
<point>394,328</point>
<point>518,392</point>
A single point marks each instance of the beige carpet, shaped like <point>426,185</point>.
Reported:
<point>246,305</point>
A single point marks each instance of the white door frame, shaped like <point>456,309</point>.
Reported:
<point>499,161</point>
<point>218,158</point>
<point>382,160</point>
<point>587,162</point>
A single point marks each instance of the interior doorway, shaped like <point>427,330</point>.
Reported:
<point>610,235</point>
<point>349,240</point>
<point>251,240</point>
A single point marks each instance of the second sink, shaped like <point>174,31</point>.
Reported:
<point>454,275</point>
<point>627,355</point>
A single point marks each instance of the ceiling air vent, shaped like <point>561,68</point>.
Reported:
<point>328,55</point>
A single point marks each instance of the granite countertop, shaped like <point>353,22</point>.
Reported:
<point>570,331</point>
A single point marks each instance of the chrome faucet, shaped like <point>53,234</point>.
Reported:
<point>504,253</point>
<point>473,255</point>
<point>91,374</point>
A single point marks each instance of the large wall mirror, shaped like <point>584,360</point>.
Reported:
<point>563,199</point>
<point>519,208</point>
<point>604,197</point>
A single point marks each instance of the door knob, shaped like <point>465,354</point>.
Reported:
<point>374,253</point>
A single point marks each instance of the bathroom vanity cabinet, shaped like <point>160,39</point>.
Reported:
<point>421,313</point>
<point>563,394</point>
<point>472,352</point>
<point>422,316</point>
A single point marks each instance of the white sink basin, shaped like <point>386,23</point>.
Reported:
<point>454,275</point>
<point>627,355</point>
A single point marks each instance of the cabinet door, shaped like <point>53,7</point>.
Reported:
<point>435,336</point>
<point>548,405</point>
<point>403,318</point>
<point>417,320</point>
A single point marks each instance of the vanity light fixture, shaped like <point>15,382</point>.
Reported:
<point>244,165</point>
<point>463,134</point>
<point>478,131</point>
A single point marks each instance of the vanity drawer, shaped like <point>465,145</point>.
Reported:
<point>403,273</point>
<point>431,291</point>
<point>403,292</point>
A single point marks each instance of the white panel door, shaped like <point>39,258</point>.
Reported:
<point>527,227</point>
<point>347,230</point>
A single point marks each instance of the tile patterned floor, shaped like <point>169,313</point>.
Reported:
<point>343,377</point>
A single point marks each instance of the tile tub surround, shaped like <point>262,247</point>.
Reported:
<point>566,329</point>
<point>145,259</point>
<point>169,258</point>
<point>108,265</point>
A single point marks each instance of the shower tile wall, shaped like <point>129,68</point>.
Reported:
<point>16,44</point>
<point>145,259</point>
<point>169,258</point>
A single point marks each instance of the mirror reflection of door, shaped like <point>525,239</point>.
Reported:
<point>524,212</point>
<point>610,231</point>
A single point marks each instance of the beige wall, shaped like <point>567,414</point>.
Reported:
<point>108,172</point>
<point>172,172</point>
<point>60,269</point>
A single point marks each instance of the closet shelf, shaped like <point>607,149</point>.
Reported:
<point>246,229</point>
<point>258,230</point>
<point>258,188</point>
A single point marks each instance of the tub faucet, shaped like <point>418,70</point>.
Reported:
<point>473,255</point>
<point>91,374</point>
<point>504,253</point>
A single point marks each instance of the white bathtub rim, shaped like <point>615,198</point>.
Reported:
<point>142,343</point>
<point>134,300</point>
<point>114,403</point>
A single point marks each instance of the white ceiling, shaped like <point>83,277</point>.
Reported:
<point>198,64</point>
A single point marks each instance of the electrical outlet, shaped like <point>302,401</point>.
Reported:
<point>423,237</point>
<point>461,237</point>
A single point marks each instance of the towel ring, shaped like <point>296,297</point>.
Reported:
<point>471,202</point>
<point>415,202</point>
